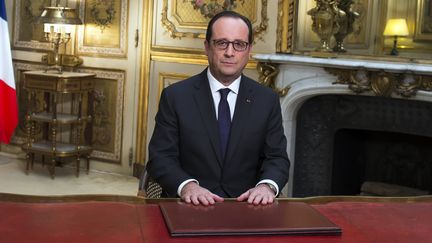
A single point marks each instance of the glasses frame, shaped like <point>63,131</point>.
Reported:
<point>233,43</point>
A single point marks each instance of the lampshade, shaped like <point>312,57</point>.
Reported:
<point>396,27</point>
<point>59,15</point>
<point>58,23</point>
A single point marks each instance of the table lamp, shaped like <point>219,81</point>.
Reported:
<point>58,24</point>
<point>396,27</point>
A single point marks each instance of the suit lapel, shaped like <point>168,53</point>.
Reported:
<point>204,100</point>
<point>241,114</point>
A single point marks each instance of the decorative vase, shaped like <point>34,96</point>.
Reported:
<point>325,17</point>
<point>345,22</point>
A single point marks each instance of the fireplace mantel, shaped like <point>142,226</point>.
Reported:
<point>347,63</point>
<point>300,78</point>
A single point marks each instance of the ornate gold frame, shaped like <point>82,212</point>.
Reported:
<point>119,77</point>
<point>19,25</point>
<point>165,76</point>
<point>286,23</point>
<point>141,135</point>
<point>204,12</point>
<point>105,50</point>
<point>172,28</point>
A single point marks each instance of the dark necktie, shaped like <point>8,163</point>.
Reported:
<point>224,120</point>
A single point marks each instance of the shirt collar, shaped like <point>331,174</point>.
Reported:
<point>215,85</point>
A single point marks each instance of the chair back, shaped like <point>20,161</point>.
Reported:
<point>149,188</point>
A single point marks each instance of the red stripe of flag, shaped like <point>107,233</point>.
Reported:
<point>8,112</point>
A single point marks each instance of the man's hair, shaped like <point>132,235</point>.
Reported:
<point>230,14</point>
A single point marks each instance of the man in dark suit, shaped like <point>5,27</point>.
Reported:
<point>219,134</point>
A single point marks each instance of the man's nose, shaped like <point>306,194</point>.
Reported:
<point>229,51</point>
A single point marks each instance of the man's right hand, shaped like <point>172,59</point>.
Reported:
<point>193,193</point>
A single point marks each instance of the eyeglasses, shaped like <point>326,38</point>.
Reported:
<point>223,44</point>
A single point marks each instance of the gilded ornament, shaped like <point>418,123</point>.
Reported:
<point>425,83</point>
<point>31,11</point>
<point>285,26</point>
<point>408,85</point>
<point>346,22</point>
<point>383,84</point>
<point>103,20</point>
<point>210,9</point>
<point>359,81</point>
<point>267,77</point>
<point>325,21</point>
<point>343,76</point>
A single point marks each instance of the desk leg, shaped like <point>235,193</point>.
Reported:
<point>32,161</point>
<point>77,165</point>
<point>88,163</point>
<point>54,136</point>
<point>52,167</point>
<point>28,131</point>
<point>89,126</point>
<point>29,164</point>
<point>78,133</point>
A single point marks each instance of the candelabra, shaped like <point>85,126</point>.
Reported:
<point>58,24</point>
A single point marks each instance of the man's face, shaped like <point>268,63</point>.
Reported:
<point>227,64</point>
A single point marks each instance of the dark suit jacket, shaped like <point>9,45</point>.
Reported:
<point>185,141</point>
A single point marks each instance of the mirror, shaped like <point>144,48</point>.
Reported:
<point>367,35</point>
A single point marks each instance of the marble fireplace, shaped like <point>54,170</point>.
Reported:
<point>350,121</point>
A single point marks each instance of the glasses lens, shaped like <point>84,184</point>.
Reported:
<point>240,45</point>
<point>221,44</point>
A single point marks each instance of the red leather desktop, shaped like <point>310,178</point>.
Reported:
<point>104,221</point>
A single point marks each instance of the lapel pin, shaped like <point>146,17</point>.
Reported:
<point>248,101</point>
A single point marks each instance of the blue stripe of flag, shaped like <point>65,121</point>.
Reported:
<point>3,10</point>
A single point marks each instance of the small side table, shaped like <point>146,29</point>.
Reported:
<point>58,89</point>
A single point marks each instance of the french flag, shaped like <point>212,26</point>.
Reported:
<point>8,101</point>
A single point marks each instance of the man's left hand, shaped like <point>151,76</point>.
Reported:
<point>261,194</point>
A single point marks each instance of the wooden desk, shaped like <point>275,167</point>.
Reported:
<point>132,219</point>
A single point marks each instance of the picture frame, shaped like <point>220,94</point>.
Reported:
<point>105,31</point>
<point>286,21</point>
<point>108,104</point>
<point>188,18</point>
<point>27,33</point>
<point>423,30</point>
<point>165,79</point>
